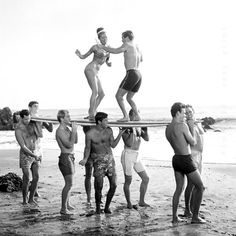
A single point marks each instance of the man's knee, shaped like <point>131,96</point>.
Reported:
<point>128,179</point>
<point>101,95</point>
<point>145,180</point>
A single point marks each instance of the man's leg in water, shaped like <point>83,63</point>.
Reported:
<point>111,192</point>
<point>25,184</point>
<point>34,182</point>
<point>188,199</point>
<point>66,193</point>
<point>87,181</point>
<point>128,180</point>
<point>198,190</point>
<point>120,99</point>
<point>98,185</point>
<point>143,188</point>
<point>179,179</point>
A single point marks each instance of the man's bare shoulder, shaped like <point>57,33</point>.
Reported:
<point>20,127</point>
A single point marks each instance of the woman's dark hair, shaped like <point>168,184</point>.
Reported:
<point>100,31</point>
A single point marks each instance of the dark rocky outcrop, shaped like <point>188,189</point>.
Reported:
<point>207,122</point>
<point>10,182</point>
<point>6,119</point>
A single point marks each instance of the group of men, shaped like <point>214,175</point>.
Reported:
<point>184,137</point>
<point>98,155</point>
<point>183,133</point>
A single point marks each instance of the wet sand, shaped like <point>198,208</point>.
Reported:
<point>218,206</point>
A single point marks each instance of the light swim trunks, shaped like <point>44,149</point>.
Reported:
<point>104,164</point>
<point>27,161</point>
<point>130,160</point>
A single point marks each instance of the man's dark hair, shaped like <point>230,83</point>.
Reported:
<point>176,107</point>
<point>100,116</point>
<point>32,103</point>
<point>61,114</point>
<point>23,113</point>
<point>129,34</point>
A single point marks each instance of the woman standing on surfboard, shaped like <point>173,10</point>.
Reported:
<point>91,71</point>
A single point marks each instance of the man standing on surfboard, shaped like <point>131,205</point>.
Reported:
<point>132,81</point>
<point>98,143</point>
<point>130,159</point>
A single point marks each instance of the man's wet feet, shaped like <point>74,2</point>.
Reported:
<point>66,212</point>
<point>143,204</point>
<point>98,211</point>
<point>107,211</point>
<point>199,220</point>
<point>176,220</point>
<point>129,206</point>
<point>70,208</point>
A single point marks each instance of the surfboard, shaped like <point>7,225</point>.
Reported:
<point>83,122</point>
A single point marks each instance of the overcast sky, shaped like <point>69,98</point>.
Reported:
<point>189,51</point>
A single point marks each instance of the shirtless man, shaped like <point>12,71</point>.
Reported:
<point>132,81</point>
<point>66,139</point>
<point>37,127</point>
<point>181,136</point>
<point>98,143</point>
<point>129,159</point>
<point>196,152</point>
<point>29,157</point>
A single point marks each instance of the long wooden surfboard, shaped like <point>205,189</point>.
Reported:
<point>142,123</point>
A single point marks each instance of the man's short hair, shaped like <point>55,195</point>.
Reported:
<point>129,34</point>
<point>24,112</point>
<point>61,114</point>
<point>100,116</point>
<point>32,103</point>
<point>178,106</point>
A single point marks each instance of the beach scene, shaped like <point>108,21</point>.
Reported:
<point>187,54</point>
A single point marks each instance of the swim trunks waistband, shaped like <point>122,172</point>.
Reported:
<point>132,70</point>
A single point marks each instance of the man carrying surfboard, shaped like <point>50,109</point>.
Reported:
<point>132,81</point>
<point>98,143</point>
<point>130,159</point>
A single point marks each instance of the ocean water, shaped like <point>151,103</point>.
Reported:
<point>218,146</point>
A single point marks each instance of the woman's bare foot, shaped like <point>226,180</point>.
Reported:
<point>124,119</point>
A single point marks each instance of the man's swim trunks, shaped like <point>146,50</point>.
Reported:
<point>130,160</point>
<point>66,164</point>
<point>183,164</point>
<point>104,165</point>
<point>27,161</point>
<point>132,81</point>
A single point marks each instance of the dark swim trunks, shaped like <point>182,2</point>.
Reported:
<point>183,164</point>
<point>66,164</point>
<point>104,165</point>
<point>132,81</point>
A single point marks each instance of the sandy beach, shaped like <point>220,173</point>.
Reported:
<point>218,206</point>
